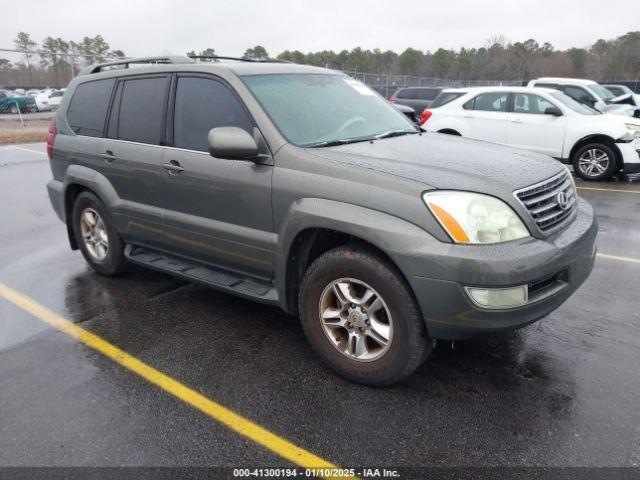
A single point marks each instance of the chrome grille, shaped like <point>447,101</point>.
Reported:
<point>544,201</point>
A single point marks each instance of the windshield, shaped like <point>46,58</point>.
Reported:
<point>574,105</point>
<point>315,109</point>
<point>602,92</point>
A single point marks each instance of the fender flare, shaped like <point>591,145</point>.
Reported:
<point>390,234</point>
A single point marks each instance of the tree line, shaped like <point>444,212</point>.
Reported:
<point>58,60</point>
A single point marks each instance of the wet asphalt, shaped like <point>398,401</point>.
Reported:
<point>564,391</point>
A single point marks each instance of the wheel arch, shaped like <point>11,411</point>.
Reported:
<point>78,179</point>
<point>312,228</point>
<point>599,138</point>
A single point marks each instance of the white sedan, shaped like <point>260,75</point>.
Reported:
<point>542,120</point>
<point>55,98</point>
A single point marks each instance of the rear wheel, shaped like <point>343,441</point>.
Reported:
<point>100,244</point>
<point>594,161</point>
<point>14,108</point>
<point>360,316</point>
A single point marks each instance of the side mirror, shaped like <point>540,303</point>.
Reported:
<point>555,111</point>
<point>233,143</point>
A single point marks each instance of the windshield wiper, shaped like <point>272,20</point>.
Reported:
<point>342,141</point>
<point>395,133</point>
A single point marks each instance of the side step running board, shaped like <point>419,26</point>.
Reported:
<point>197,272</point>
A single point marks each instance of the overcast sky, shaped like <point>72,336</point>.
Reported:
<point>163,26</point>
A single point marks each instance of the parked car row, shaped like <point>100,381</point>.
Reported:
<point>21,101</point>
<point>579,122</point>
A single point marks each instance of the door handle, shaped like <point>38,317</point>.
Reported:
<point>173,167</point>
<point>516,120</point>
<point>108,156</point>
<point>468,116</point>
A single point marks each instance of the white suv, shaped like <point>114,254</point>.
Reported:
<point>542,120</point>
<point>588,92</point>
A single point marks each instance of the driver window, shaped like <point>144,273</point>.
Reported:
<point>579,94</point>
<point>529,103</point>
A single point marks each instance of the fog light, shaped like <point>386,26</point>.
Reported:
<point>499,297</point>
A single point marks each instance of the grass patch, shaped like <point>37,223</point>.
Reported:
<point>22,136</point>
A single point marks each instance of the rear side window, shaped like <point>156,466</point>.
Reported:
<point>88,109</point>
<point>427,93</point>
<point>202,104</point>
<point>446,97</point>
<point>406,93</point>
<point>555,86</point>
<point>142,110</point>
<point>488,102</point>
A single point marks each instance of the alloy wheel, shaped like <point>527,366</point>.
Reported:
<point>593,162</point>
<point>356,319</point>
<point>94,234</point>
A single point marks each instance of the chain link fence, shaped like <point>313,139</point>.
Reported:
<point>387,84</point>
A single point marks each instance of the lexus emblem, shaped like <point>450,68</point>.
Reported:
<point>562,200</point>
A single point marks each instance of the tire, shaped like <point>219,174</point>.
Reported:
<point>14,108</point>
<point>408,344</point>
<point>594,161</point>
<point>106,260</point>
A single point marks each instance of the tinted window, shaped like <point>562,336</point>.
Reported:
<point>578,93</point>
<point>56,94</point>
<point>142,110</point>
<point>489,102</point>
<point>528,103</point>
<point>547,85</point>
<point>427,93</point>
<point>446,97</point>
<point>88,109</point>
<point>407,93</point>
<point>203,104</point>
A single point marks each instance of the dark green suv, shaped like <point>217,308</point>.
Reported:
<point>300,187</point>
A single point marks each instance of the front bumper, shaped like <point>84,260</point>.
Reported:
<point>630,156</point>
<point>556,266</point>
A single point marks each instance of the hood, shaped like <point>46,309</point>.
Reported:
<point>617,109</point>
<point>448,162</point>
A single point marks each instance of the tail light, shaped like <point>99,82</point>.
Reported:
<point>392,100</point>
<point>50,138</point>
<point>426,115</point>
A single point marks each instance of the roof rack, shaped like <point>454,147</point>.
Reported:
<point>99,67</point>
<point>239,59</point>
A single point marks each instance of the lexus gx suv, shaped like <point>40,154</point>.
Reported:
<point>300,187</point>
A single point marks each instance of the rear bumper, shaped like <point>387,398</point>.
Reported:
<point>564,261</point>
<point>55,189</point>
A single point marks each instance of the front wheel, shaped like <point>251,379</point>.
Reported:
<point>595,161</point>
<point>361,318</point>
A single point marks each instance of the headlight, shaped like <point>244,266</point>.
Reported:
<point>475,218</point>
<point>634,130</point>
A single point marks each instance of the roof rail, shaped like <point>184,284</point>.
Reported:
<point>239,59</point>
<point>99,67</point>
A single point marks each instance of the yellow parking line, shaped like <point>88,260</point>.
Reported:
<point>637,192</point>
<point>232,420</point>
<point>623,259</point>
<point>29,150</point>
